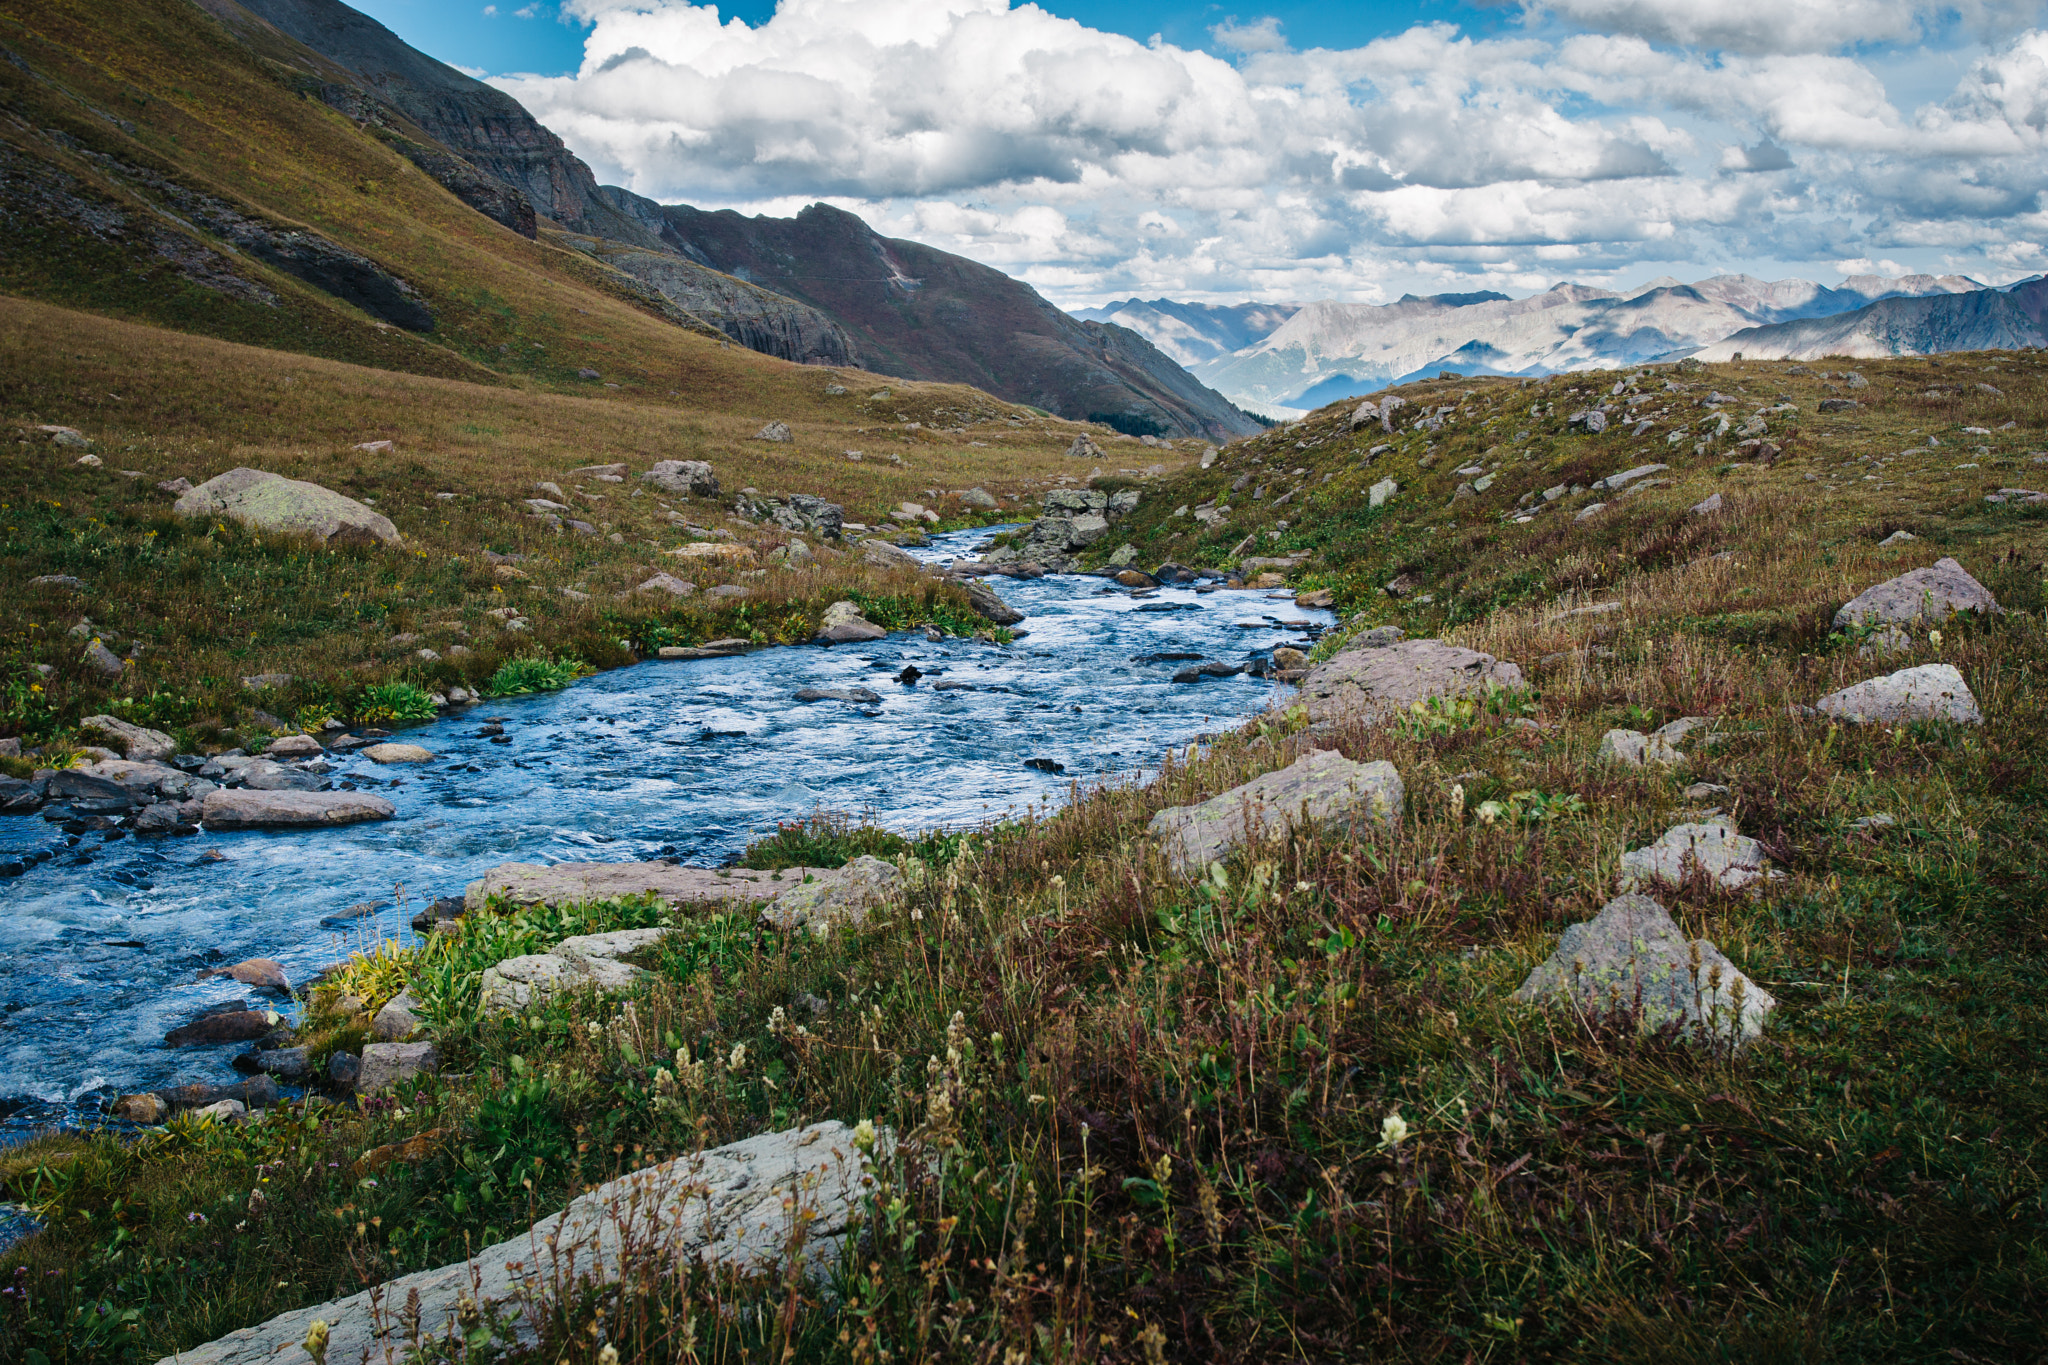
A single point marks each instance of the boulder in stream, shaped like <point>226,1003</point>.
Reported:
<point>247,809</point>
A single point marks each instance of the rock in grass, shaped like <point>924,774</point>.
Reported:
<point>828,900</point>
<point>102,660</point>
<point>397,753</point>
<point>1321,786</point>
<point>1084,449</point>
<point>1634,749</point>
<point>588,960</point>
<point>1363,682</point>
<point>270,502</point>
<point>732,1207</point>
<point>222,1111</point>
<point>687,478</point>
<point>843,624</point>
<point>882,555</point>
<point>774,431</point>
<point>1929,692</point>
<point>1632,959</point>
<point>1931,595</point>
<point>143,1108</point>
<point>248,809</point>
<point>568,883</point>
<point>384,1065</point>
<point>1711,849</point>
<point>135,742</point>
<point>668,583</point>
<point>396,1021</point>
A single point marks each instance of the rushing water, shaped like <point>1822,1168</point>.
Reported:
<point>102,945</point>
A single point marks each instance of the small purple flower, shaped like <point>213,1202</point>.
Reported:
<point>195,1218</point>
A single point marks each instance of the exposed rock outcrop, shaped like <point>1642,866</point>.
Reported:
<point>1375,683</point>
<point>271,502</point>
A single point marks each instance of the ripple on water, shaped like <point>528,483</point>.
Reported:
<point>684,759</point>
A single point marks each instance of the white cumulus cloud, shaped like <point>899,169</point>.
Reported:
<point>1605,137</point>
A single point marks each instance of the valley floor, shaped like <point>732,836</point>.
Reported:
<point>1285,1106</point>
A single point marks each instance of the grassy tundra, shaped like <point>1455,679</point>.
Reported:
<point>1286,1110</point>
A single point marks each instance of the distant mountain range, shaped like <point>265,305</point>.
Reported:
<point>821,288</point>
<point>1316,353</point>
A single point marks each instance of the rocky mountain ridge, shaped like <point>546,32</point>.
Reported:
<point>822,288</point>
<point>1321,352</point>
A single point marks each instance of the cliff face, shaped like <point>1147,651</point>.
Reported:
<point>485,127</point>
<point>923,313</point>
<point>756,318</point>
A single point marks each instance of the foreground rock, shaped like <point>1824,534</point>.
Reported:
<point>1321,786</point>
<point>589,960</point>
<point>567,883</point>
<point>384,1065</point>
<point>1632,959</point>
<point>731,1207</point>
<point>271,502</point>
<point>1634,749</point>
<point>825,902</point>
<point>242,808</point>
<point>1711,849</point>
<point>1373,682</point>
<point>843,624</point>
<point>1925,595</point>
<point>133,741</point>
<point>989,606</point>
<point>1929,692</point>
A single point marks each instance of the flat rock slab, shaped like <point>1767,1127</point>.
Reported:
<point>397,753</point>
<point>1322,785</point>
<point>384,1065</point>
<point>1931,594</point>
<point>586,960</point>
<point>271,502</point>
<point>724,1207</point>
<point>242,808</point>
<point>1929,692</point>
<point>1711,848</point>
<point>567,883</point>
<point>135,741</point>
<point>834,898</point>
<point>1631,957</point>
<point>1634,749</point>
<point>1376,682</point>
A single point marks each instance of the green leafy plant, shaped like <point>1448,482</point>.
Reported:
<point>394,701</point>
<point>1448,715</point>
<point>534,673</point>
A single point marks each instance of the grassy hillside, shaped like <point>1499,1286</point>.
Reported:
<point>1156,1115</point>
<point>201,606</point>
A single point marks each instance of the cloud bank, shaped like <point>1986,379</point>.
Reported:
<point>1597,139</point>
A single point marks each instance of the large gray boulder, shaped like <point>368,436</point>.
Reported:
<point>1632,958</point>
<point>1069,501</point>
<point>386,1064</point>
<point>989,606</point>
<point>271,502</point>
<point>1709,848</point>
<point>1375,683</point>
<point>588,960</point>
<point>825,901</point>
<point>132,741</point>
<point>1929,692</point>
<point>843,624</point>
<point>729,1207</point>
<point>1321,786</point>
<point>569,883</point>
<point>241,808</point>
<point>1930,595</point>
<point>685,478</point>
<point>882,555</point>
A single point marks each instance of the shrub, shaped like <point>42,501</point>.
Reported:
<point>395,701</point>
<point>533,673</point>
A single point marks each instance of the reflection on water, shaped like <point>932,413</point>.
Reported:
<point>100,947</point>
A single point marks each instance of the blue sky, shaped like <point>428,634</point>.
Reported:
<point>531,37</point>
